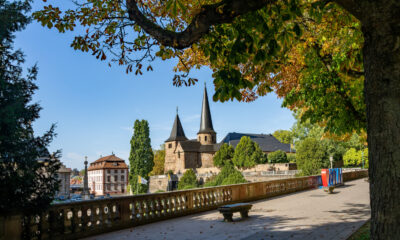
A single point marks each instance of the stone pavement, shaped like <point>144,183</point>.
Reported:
<point>307,215</point>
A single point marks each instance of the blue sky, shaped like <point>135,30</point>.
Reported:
<point>95,106</point>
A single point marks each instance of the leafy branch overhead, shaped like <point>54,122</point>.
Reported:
<point>308,52</point>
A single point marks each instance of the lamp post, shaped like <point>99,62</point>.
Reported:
<point>85,192</point>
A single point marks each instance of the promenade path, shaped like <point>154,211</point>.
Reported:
<point>306,215</point>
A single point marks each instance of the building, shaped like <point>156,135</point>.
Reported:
<point>182,153</point>
<point>108,175</point>
<point>64,175</point>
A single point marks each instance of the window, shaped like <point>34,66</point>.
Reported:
<point>179,154</point>
<point>115,171</point>
<point>108,187</point>
<point>122,177</point>
<point>205,138</point>
<point>170,145</point>
<point>122,170</point>
<point>116,178</point>
<point>108,170</point>
<point>108,178</point>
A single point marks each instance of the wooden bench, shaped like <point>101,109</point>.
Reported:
<point>228,210</point>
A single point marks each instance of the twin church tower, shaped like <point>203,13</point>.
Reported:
<point>182,153</point>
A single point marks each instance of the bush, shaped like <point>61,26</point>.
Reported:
<point>291,157</point>
<point>277,157</point>
<point>228,175</point>
<point>311,156</point>
<point>353,158</point>
<point>188,180</point>
<point>224,155</point>
<point>248,154</point>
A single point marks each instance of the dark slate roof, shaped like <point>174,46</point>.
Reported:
<point>206,125</point>
<point>195,146</point>
<point>267,142</point>
<point>190,146</point>
<point>177,133</point>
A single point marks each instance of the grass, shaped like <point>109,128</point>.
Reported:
<point>362,233</point>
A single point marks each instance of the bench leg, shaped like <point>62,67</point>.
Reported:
<point>244,214</point>
<point>228,217</point>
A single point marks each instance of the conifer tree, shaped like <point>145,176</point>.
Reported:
<point>141,156</point>
<point>28,179</point>
<point>248,153</point>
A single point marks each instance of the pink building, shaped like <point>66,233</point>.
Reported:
<point>108,175</point>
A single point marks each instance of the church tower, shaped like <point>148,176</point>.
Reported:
<point>173,159</point>
<point>206,135</point>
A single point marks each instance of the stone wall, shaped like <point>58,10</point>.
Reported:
<point>207,160</point>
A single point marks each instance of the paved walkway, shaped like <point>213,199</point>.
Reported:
<point>306,215</point>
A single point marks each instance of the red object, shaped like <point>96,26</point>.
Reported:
<point>325,177</point>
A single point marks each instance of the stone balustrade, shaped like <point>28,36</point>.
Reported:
<point>87,218</point>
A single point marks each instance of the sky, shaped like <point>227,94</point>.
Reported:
<point>94,106</point>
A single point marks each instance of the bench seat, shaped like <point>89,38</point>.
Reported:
<point>228,210</point>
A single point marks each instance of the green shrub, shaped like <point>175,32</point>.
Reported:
<point>188,180</point>
<point>248,154</point>
<point>353,158</point>
<point>291,157</point>
<point>224,155</point>
<point>228,175</point>
<point>311,156</point>
<point>277,157</point>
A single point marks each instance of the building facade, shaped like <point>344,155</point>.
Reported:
<point>182,153</point>
<point>108,175</point>
<point>64,176</point>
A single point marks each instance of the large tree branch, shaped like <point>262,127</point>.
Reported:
<point>222,12</point>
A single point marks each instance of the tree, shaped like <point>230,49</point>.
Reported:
<point>284,136</point>
<point>248,153</point>
<point>141,156</point>
<point>224,155</point>
<point>159,160</point>
<point>354,158</point>
<point>311,156</point>
<point>277,157</point>
<point>188,180</point>
<point>256,36</point>
<point>228,175</point>
<point>28,179</point>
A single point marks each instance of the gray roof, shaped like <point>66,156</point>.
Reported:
<point>267,142</point>
<point>177,133</point>
<point>195,146</point>
<point>206,125</point>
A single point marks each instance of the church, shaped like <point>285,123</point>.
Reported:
<point>182,153</point>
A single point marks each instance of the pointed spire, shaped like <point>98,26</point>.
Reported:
<point>206,125</point>
<point>177,133</point>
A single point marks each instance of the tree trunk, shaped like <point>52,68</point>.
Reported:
<point>381,28</point>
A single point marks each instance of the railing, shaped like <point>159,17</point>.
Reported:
<point>87,218</point>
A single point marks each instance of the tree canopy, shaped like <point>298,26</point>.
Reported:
<point>159,160</point>
<point>277,157</point>
<point>28,171</point>
<point>141,156</point>
<point>224,155</point>
<point>188,180</point>
<point>248,153</point>
<point>307,51</point>
<point>311,156</point>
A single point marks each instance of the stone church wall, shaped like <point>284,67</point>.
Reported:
<point>207,160</point>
